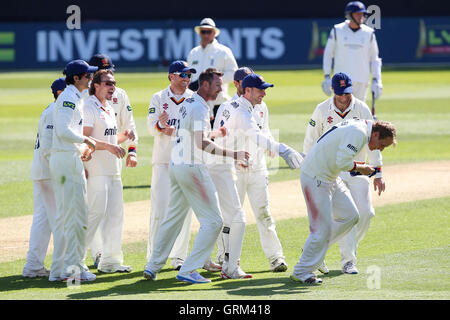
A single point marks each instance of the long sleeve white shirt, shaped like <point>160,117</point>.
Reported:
<point>218,56</point>
<point>327,115</point>
<point>161,101</point>
<point>336,149</point>
<point>68,121</point>
<point>40,168</point>
<point>351,51</point>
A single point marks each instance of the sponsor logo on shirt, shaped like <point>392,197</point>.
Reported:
<point>129,108</point>
<point>151,110</point>
<point>330,119</point>
<point>111,131</point>
<point>312,123</point>
<point>68,104</point>
<point>50,126</point>
<point>352,147</point>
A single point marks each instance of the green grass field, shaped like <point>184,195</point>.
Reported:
<point>408,242</point>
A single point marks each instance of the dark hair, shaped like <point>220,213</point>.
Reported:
<point>385,129</point>
<point>98,79</point>
<point>208,76</point>
<point>55,94</point>
<point>70,79</point>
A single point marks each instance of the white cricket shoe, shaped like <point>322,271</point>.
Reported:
<point>149,275</point>
<point>278,265</point>
<point>43,272</point>
<point>237,274</point>
<point>311,280</point>
<point>323,268</point>
<point>84,276</point>
<point>212,267</point>
<point>114,268</point>
<point>192,277</point>
<point>177,263</point>
<point>349,268</point>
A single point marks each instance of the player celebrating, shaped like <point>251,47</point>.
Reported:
<point>67,172</point>
<point>162,117</point>
<point>191,184</point>
<point>125,123</point>
<point>253,180</point>
<point>211,54</point>
<point>331,209</point>
<point>343,106</point>
<point>243,131</point>
<point>104,184</point>
<point>44,208</point>
<point>354,49</point>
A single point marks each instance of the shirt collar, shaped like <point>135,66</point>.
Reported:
<point>245,104</point>
<point>198,97</point>
<point>369,129</point>
<point>98,104</point>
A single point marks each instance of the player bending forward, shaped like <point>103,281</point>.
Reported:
<point>331,209</point>
<point>191,184</point>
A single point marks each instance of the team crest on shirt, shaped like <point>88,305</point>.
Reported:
<point>330,119</point>
<point>261,114</point>
<point>115,100</point>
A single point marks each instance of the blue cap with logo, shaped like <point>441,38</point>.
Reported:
<point>241,73</point>
<point>102,61</point>
<point>180,66</point>
<point>341,83</point>
<point>58,84</point>
<point>75,67</point>
<point>254,80</point>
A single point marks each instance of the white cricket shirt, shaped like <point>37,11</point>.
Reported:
<point>103,121</point>
<point>161,101</point>
<point>40,169</point>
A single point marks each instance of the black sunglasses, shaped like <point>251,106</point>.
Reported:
<point>205,31</point>
<point>183,75</point>
<point>109,83</point>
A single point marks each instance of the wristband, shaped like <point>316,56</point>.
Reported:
<point>132,150</point>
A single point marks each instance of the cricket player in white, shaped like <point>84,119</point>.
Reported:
<point>162,118</point>
<point>191,184</point>
<point>253,179</point>
<point>44,206</point>
<point>344,106</point>
<point>211,54</point>
<point>353,48</point>
<point>243,131</point>
<point>69,146</point>
<point>332,211</point>
<point>120,102</point>
<point>104,184</point>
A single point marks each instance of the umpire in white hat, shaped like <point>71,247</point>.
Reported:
<point>211,54</point>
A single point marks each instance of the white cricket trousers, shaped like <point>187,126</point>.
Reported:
<point>359,187</point>
<point>159,203</point>
<point>360,90</point>
<point>190,186</point>
<point>231,238</point>
<point>255,184</point>
<point>69,186</point>
<point>44,215</point>
<point>331,212</point>
<point>105,210</point>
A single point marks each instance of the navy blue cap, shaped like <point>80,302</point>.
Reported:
<point>241,73</point>
<point>102,61</point>
<point>254,80</point>
<point>75,67</point>
<point>341,83</point>
<point>58,84</point>
<point>180,66</point>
